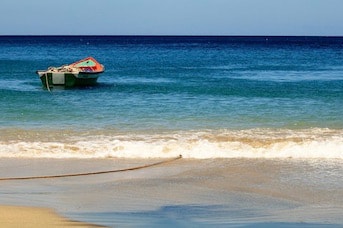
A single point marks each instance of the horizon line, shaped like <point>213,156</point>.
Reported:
<point>51,35</point>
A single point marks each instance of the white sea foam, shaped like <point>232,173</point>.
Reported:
<point>257,143</point>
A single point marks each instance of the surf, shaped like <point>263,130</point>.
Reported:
<point>205,144</point>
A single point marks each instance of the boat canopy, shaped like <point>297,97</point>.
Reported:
<point>88,64</point>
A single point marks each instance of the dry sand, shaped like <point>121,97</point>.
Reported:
<point>14,216</point>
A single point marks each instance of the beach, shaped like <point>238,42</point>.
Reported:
<point>11,216</point>
<point>257,120</point>
<point>210,192</point>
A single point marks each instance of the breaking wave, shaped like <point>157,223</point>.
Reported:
<point>254,143</point>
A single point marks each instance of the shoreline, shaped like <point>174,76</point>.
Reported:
<point>184,192</point>
<point>26,216</point>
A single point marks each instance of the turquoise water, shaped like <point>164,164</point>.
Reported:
<point>223,96</point>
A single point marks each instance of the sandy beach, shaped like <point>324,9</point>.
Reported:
<point>208,192</point>
<point>15,216</point>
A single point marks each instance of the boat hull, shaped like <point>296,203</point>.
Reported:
<point>50,79</point>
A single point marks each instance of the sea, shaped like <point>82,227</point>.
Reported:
<point>207,98</point>
<point>202,97</point>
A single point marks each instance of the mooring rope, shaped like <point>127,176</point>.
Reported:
<point>47,82</point>
<point>91,173</point>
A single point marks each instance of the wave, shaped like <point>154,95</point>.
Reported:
<point>207,144</point>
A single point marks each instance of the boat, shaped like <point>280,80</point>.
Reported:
<point>84,72</point>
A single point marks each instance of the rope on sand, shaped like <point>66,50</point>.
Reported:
<point>91,173</point>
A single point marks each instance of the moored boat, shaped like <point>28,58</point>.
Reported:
<point>81,73</point>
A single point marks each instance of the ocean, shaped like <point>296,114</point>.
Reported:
<point>202,97</point>
<point>217,100</point>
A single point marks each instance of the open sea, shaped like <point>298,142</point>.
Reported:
<point>202,97</point>
<point>206,98</point>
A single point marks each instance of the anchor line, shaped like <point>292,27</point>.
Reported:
<point>91,173</point>
<point>47,82</point>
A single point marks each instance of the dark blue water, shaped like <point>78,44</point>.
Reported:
<point>154,85</point>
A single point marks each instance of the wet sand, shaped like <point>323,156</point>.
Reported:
<point>186,192</point>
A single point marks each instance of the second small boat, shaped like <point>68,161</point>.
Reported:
<point>84,72</point>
